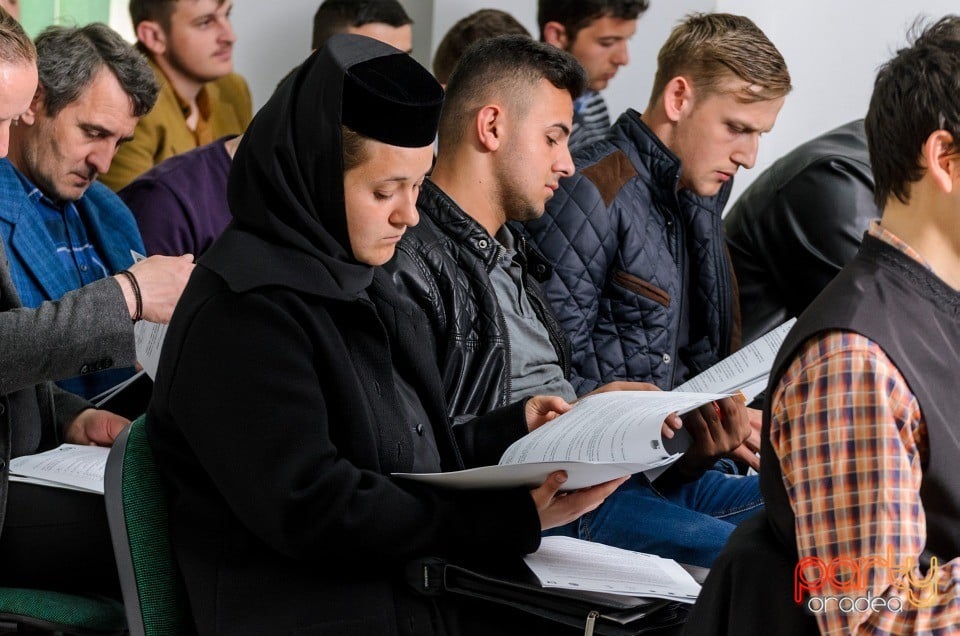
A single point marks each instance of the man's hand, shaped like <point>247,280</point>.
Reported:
<point>93,427</point>
<point>673,421</point>
<point>161,280</point>
<point>541,409</point>
<point>747,452</point>
<point>717,429</point>
<point>558,508</point>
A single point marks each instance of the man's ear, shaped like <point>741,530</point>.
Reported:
<point>942,160</point>
<point>489,122</point>
<point>555,34</point>
<point>677,98</point>
<point>29,116</point>
<point>152,36</point>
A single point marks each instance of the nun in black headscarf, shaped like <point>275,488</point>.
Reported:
<point>294,379</point>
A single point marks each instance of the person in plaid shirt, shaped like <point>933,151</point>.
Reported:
<point>860,448</point>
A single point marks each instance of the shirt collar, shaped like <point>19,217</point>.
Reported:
<point>36,195</point>
<point>879,232</point>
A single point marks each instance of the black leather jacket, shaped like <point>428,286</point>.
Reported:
<point>798,224</point>
<point>444,263</point>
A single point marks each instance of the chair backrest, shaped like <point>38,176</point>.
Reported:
<point>61,613</point>
<point>153,595</point>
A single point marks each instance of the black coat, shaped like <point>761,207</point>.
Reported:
<point>294,380</point>
<point>274,421</point>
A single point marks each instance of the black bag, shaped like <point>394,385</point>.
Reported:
<point>514,585</point>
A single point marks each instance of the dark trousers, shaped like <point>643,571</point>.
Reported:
<point>56,539</point>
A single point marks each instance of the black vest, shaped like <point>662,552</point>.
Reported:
<point>891,299</point>
<point>888,297</point>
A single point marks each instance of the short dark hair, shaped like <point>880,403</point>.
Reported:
<point>578,14</point>
<point>154,10</point>
<point>68,59</point>
<point>709,48</point>
<point>479,25</point>
<point>508,65</point>
<point>336,16</point>
<point>15,45</point>
<point>914,95</point>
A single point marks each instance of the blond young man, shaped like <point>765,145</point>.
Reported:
<point>643,286</point>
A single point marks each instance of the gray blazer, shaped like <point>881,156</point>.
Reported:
<point>87,328</point>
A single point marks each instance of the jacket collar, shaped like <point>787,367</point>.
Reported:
<point>467,232</point>
<point>663,166</point>
<point>24,233</point>
<point>457,224</point>
<point>29,243</point>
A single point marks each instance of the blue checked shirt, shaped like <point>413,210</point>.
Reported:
<point>79,257</point>
<point>81,263</point>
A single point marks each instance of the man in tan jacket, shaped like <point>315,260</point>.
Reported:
<point>190,47</point>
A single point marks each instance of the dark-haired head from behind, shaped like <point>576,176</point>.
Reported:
<point>479,25</point>
<point>915,94</point>
<point>505,67</point>
<point>384,20</point>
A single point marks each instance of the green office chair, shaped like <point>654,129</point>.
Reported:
<point>62,613</point>
<point>153,594</point>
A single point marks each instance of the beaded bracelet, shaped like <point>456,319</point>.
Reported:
<point>138,314</point>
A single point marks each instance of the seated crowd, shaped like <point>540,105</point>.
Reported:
<point>392,271</point>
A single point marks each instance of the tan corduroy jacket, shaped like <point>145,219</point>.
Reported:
<point>225,109</point>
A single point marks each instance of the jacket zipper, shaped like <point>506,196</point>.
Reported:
<point>679,250</point>
<point>508,394</point>
<point>539,306</point>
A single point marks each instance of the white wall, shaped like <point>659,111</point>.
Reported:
<point>832,47</point>
<point>631,87</point>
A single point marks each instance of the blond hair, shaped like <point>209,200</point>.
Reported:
<point>711,48</point>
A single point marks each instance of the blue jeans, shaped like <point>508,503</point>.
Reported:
<point>688,522</point>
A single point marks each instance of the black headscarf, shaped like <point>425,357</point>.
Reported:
<point>286,181</point>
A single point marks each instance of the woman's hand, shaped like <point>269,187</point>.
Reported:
<point>540,409</point>
<point>559,508</point>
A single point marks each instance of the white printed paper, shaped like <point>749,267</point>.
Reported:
<point>68,466</point>
<point>568,563</point>
<point>605,436</point>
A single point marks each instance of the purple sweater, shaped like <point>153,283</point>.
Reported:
<point>181,203</point>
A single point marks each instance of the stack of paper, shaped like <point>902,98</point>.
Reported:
<point>564,562</point>
<point>68,466</point>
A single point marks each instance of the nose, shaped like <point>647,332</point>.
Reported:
<point>621,56</point>
<point>746,152</point>
<point>406,213</point>
<point>226,31</point>
<point>564,164</point>
<point>100,158</point>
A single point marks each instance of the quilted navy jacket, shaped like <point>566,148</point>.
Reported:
<point>622,239</point>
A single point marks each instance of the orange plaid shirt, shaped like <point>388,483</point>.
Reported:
<point>852,441</point>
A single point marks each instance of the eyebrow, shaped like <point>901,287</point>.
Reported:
<point>748,128</point>
<point>105,132</point>
<point>397,178</point>
<point>562,126</point>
